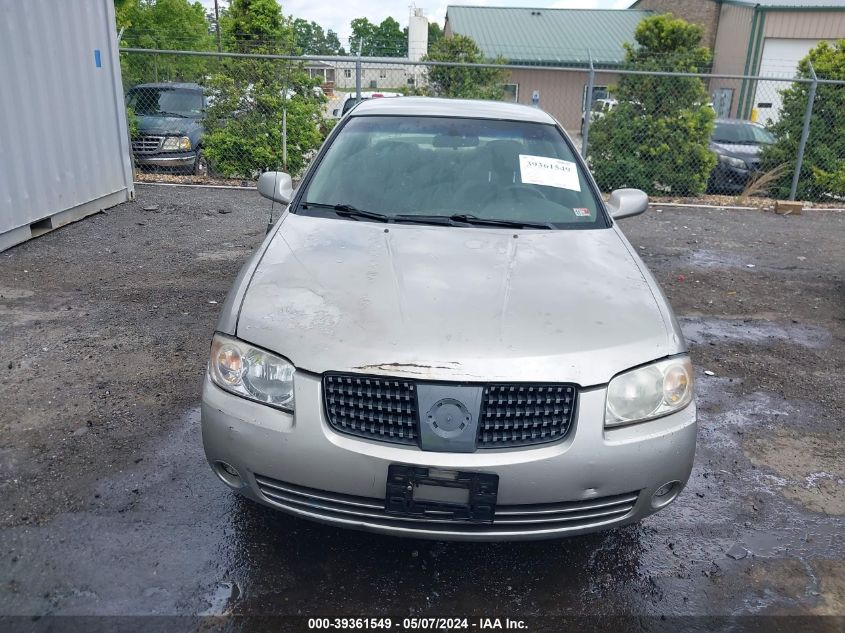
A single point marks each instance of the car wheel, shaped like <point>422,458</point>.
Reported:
<point>200,164</point>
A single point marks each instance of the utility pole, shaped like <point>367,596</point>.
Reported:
<point>217,25</point>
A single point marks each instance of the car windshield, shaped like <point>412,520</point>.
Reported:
<point>165,101</point>
<point>742,133</point>
<point>507,171</point>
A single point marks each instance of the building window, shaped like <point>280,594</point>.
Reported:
<point>330,74</point>
<point>347,73</point>
<point>511,93</point>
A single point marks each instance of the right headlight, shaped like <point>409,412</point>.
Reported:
<point>251,372</point>
<point>649,392</point>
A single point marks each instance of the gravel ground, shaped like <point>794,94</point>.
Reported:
<point>107,506</point>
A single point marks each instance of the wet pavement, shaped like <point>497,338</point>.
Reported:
<point>108,507</point>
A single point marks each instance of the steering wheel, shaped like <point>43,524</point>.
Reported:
<point>516,189</point>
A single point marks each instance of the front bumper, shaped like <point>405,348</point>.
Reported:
<point>176,161</point>
<point>728,179</point>
<point>593,479</point>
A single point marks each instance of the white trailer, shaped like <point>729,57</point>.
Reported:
<point>64,144</point>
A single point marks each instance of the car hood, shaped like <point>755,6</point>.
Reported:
<point>447,303</point>
<point>165,125</point>
<point>739,150</point>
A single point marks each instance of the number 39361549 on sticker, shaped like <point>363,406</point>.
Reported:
<point>551,172</point>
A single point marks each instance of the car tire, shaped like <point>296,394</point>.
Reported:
<point>200,167</point>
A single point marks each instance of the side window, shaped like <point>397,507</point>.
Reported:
<point>599,92</point>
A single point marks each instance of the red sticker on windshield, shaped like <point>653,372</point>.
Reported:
<point>582,212</point>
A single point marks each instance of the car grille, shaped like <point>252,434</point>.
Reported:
<point>508,519</point>
<point>385,409</point>
<point>516,415</point>
<point>377,408</point>
<point>146,144</point>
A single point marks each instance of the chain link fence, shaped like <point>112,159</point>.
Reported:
<point>223,118</point>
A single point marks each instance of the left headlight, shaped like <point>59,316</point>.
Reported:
<point>253,373</point>
<point>176,143</point>
<point>649,392</point>
<point>733,162</point>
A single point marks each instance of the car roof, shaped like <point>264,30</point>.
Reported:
<point>458,108</point>
<point>165,84</point>
<point>737,122</point>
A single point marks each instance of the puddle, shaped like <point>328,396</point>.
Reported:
<point>219,256</point>
<point>222,598</point>
<point>812,467</point>
<point>716,259</point>
<point>702,331</point>
<point>8,293</point>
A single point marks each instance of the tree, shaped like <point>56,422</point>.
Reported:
<point>257,26</point>
<point>459,81</point>
<point>312,40</point>
<point>361,42</point>
<point>250,97</point>
<point>390,40</point>
<point>823,171</point>
<point>333,44</point>
<point>435,33</point>
<point>162,24</point>
<point>657,137</point>
<point>384,40</point>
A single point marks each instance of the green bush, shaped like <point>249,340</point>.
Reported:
<point>132,121</point>
<point>823,172</point>
<point>657,137</point>
<point>249,97</point>
<point>463,82</point>
<point>244,123</point>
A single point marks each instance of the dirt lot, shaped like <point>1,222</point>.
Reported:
<point>107,505</point>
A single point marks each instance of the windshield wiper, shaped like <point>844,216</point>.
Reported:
<point>176,114</point>
<point>348,211</point>
<point>517,224</point>
<point>464,218</point>
<point>424,219</point>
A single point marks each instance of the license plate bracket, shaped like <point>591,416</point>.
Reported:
<point>404,481</point>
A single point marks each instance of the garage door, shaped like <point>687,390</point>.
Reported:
<point>780,59</point>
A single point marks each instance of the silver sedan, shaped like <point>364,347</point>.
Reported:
<point>446,335</point>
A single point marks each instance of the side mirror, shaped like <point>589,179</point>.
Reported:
<point>624,203</point>
<point>336,112</point>
<point>277,186</point>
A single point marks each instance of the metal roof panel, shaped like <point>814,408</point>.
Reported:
<point>548,36</point>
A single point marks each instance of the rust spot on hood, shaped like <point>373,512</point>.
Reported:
<point>406,366</point>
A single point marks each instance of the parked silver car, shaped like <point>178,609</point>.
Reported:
<point>446,335</point>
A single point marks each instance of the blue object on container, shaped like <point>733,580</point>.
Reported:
<point>97,62</point>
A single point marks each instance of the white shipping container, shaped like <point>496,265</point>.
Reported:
<point>64,144</point>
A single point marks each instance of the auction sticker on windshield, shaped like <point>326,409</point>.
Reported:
<point>551,172</point>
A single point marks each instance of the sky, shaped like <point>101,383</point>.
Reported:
<point>337,14</point>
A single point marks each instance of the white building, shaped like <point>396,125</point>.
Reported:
<point>390,77</point>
